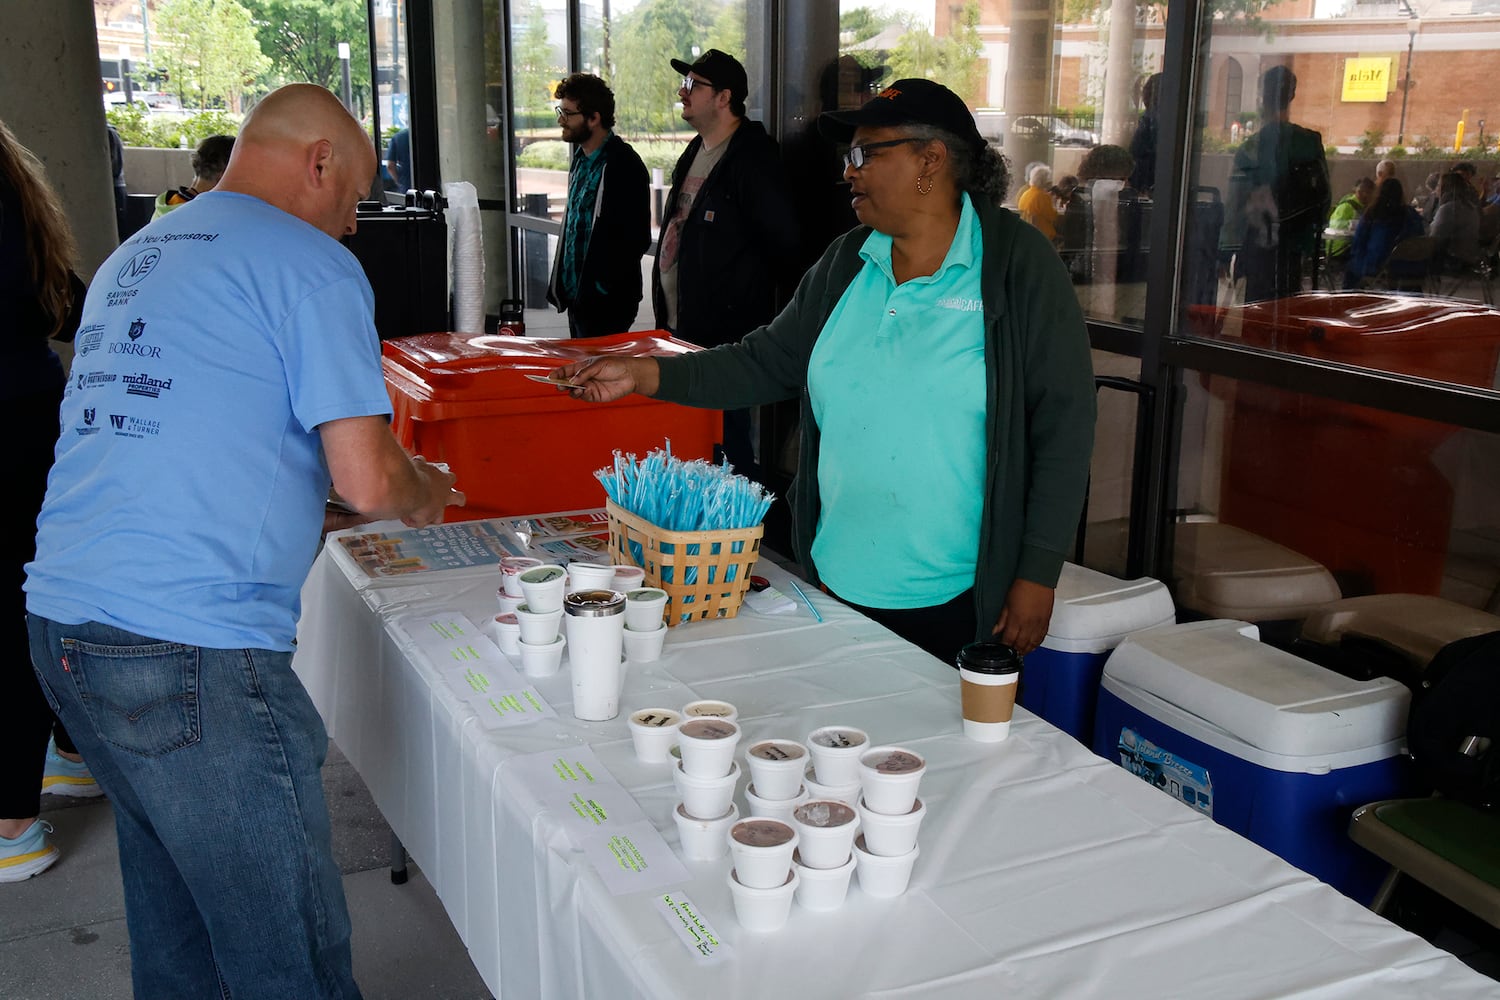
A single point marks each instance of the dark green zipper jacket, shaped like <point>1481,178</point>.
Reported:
<point>1040,400</point>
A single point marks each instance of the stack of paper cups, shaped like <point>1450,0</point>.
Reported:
<point>889,815</point>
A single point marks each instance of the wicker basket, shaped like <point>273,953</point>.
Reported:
<point>720,575</point>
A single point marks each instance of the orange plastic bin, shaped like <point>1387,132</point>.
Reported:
<point>1353,487</point>
<point>520,447</point>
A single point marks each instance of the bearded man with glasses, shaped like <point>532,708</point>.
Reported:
<point>596,275</point>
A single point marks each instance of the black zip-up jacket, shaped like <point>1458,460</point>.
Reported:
<point>609,282</point>
<point>738,243</point>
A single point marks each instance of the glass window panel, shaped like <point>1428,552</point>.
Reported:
<point>393,95</point>
<point>1297,106</point>
<point>1057,86</point>
<point>539,58</point>
<point>643,35</point>
<point>1384,503</point>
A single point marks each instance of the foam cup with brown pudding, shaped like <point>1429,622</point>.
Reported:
<point>776,768</point>
<point>762,849</point>
<point>707,746</point>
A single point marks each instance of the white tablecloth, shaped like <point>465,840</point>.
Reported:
<point>1045,871</point>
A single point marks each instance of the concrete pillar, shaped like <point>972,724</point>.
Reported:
<point>1119,75</point>
<point>1028,85</point>
<point>50,98</point>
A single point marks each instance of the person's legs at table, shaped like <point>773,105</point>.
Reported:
<point>941,630</point>
<point>212,759</point>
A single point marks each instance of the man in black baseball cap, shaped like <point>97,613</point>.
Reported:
<point>721,71</point>
<point>906,102</point>
<point>729,233</point>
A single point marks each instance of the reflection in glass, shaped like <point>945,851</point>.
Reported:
<point>393,96</point>
<point>1328,499</point>
<point>1342,84</point>
<point>1049,84</point>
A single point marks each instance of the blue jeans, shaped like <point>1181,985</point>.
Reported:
<point>211,758</point>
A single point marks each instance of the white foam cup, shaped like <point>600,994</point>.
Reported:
<point>763,910</point>
<point>825,829</point>
<point>654,731</point>
<point>887,835</point>
<point>762,849</point>
<point>544,587</point>
<point>644,607</point>
<point>508,604</point>
<point>881,876</point>
<point>707,745</point>
<point>822,889</point>
<point>704,839</point>
<point>645,647</point>
<point>590,576</point>
<point>835,753</point>
<point>544,659</point>
<point>538,627</point>
<point>847,794</point>
<point>505,629</point>
<point>710,708</point>
<point>776,767</point>
<point>889,777</point>
<point>628,578</point>
<point>704,798</point>
<point>775,808</point>
<point>511,568</point>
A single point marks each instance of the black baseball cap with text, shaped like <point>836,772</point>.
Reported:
<point>906,102</point>
<point>720,69</point>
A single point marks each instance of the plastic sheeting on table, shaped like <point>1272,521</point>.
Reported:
<point>1045,871</point>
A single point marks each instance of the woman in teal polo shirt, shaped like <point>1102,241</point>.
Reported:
<point>947,391</point>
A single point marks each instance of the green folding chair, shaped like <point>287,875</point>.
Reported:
<point>1449,846</point>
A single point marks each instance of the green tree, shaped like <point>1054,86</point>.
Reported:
<point>646,39</point>
<point>918,54</point>
<point>538,63</point>
<point>862,23</point>
<point>211,50</point>
<point>302,39</point>
<point>962,72</point>
<point>728,31</point>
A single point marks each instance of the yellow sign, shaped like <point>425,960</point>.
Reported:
<point>1367,79</point>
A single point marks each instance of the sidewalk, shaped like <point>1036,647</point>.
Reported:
<point>63,937</point>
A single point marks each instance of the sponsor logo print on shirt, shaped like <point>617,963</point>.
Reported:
<point>961,304</point>
<point>138,267</point>
<point>88,380</point>
<point>88,338</point>
<point>145,385</point>
<point>136,331</point>
<point>89,414</point>
<point>133,427</point>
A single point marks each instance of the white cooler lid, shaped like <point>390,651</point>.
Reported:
<point>1093,611</point>
<point>1259,694</point>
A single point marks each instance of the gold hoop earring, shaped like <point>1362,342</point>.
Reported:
<point>921,190</point>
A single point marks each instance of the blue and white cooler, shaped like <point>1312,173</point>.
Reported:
<point>1276,748</point>
<point>1091,613</point>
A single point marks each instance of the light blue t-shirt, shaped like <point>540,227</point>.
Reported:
<point>897,383</point>
<point>187,497</point>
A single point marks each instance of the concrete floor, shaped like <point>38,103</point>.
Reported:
<point>63,936</point>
